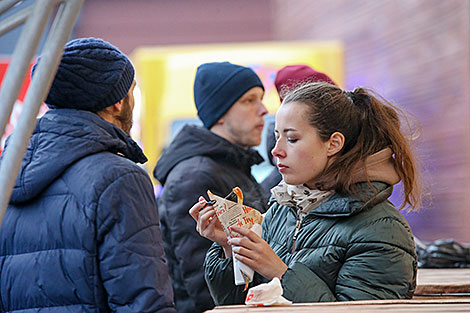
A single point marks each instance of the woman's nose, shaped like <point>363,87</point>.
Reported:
<point>277,151</point>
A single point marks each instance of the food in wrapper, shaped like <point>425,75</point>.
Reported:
<point>232,213</point>
<point>243,273</point>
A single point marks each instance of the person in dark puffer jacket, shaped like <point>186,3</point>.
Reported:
<point>331,234</point>
<point>215,157</point>
<point>81,232</point>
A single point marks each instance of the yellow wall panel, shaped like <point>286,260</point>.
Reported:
<point>165,76</point>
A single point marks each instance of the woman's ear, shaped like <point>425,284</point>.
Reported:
<point>335,143</point>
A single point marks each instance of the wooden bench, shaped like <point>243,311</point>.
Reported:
<point>443,281</point>
<point>399,306</point>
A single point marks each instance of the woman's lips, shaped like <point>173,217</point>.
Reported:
<point>282,167</point>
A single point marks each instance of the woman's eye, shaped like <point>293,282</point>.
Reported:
<point>292,140</point>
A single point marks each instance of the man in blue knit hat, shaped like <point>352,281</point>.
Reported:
<point>81,232</point>
<point>216,157</point>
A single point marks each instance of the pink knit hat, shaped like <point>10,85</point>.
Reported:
<point>291,75</point>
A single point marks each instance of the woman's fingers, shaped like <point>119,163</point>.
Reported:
<point>256,253</point>
<point>199,208</point>
<point>205,216</point>
<point>248,246</point>
<point>194,211</point>
<point>242,242</point>
<point>242,251</point>
<point>212,225</point>
<point>244,259</point>
<point>206,213</point>
<point>207,223</point>
<point>246,233</point>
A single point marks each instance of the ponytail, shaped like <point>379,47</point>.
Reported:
<point>384,125</point>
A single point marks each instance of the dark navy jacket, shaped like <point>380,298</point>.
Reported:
<point>81,233</point>
<point>198,160</point>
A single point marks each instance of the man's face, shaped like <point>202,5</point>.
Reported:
<point>125,116</point>
<point>243,123</point>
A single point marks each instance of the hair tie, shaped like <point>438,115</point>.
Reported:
<point>360,100</point>
<point>350,95</point>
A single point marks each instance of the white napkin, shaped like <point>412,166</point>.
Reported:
<point>267,294</point>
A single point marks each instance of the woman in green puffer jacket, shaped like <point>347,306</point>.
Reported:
<point>331,234</point>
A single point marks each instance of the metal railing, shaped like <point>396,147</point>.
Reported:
<point>34,19</point>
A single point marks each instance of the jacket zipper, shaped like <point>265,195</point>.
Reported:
<point>297,228</point>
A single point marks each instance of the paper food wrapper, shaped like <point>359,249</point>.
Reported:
<point>244,274</point>
<point>267,294</point>
<point>232,213</point>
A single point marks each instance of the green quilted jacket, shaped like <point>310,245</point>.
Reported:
<point>348,248</point>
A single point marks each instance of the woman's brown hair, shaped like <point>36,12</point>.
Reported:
<point>369,124</point>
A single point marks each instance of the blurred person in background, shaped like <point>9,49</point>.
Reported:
<point>331,234</point>
<point>81,232</point>
<point>215,157</point>
<point>287,79</point>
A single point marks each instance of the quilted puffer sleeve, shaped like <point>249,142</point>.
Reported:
<point>220,278</point>
<point>131,258</point>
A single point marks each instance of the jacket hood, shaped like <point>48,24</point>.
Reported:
<point>379,168</point>
<point>62,137</point>
<point>198,141</point>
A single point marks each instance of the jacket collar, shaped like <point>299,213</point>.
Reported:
<point>367,197</point>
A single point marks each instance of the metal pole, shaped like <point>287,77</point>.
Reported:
<point>5,5</point>
<point>37,92</point>
<point>14,21</point>
<point>22,55</point>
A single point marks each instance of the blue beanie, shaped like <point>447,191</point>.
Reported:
<point>92,75</point>
<point>218,86</point>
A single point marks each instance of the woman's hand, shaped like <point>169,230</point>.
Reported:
<point>208,225</point>
<point>254,252</point>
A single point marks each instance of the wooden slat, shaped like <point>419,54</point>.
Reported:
<point>432,305</point>
<point>443,281</point>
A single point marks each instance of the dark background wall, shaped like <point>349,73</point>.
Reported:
<point>416,53</point>
<point>129,24</point>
